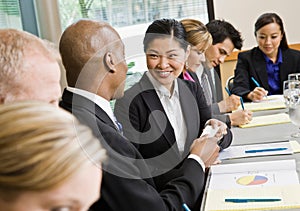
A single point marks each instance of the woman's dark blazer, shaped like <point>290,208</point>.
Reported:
<point>145,122</point>
<point>252,64</point>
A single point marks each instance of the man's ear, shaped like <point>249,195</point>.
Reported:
<point>109,62</point>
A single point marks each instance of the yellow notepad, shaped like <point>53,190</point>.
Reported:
<point>264,105</point>
<point>267,120</point>
<point>289,196</point>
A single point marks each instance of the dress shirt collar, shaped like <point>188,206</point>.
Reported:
<point>279,58</point>
<point>160,89</point>
<point>100,101</point>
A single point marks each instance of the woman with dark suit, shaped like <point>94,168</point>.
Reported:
<point>262,70</point>
<point>161,113</point>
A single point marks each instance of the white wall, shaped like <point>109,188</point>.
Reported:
<point>243,14</point>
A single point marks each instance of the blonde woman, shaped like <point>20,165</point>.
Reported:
<point>201,40</point>
<point>48,160</point>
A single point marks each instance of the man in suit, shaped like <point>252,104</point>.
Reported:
<point>28,69</point>
<point>225,39</point>
<point>93,55</point>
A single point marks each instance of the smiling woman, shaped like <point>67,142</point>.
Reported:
<point>163,114</point>
<point>46,156</point>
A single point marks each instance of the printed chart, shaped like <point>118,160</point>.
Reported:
<point>252,180</point>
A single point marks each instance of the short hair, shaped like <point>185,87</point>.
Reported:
<point>197,33</point>
<point>165,27</point>
<point>41,146</point>
<point>221,29</point>
<point>15,46</point>
<point>268,18</point>
<point>83,41</point>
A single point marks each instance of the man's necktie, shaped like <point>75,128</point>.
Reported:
<point>118,125</point>
<point>206,88</point>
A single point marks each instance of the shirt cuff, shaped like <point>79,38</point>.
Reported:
<point>198,159</point>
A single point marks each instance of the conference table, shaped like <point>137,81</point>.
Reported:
<point>263,134</point>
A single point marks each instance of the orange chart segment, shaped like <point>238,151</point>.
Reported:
<point>252,180</point>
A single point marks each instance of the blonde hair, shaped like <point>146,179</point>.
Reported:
<point>41,146</point>
<point>197,34</point>
<point>16,48</point>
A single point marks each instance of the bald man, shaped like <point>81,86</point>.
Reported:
<point>28,70</point>
<point>93,55</point>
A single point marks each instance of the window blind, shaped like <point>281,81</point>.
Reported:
<point>10,14</point>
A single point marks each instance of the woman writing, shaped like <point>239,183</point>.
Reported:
<point>262,70</point>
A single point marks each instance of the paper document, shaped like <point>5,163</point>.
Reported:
<point>295,146</point>
<point>253,174</point>
<point>254,180</point>
<point>268,120</point>
<point>289,196</point>
<point>253,150</point>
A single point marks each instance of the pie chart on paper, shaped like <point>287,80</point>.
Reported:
<point>252,180</point>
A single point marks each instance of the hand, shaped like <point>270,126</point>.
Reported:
<point>229,104</point>
<point>240,117</point>
<point>218,124</point>
<point>257,94</point>
<point>207,149</point>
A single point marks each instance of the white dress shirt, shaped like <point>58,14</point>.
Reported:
<point>172,107</point>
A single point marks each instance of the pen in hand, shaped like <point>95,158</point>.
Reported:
<point>185,207</point>
<point>242,103</point>
<point>256,83</point>
<point>227,90</point>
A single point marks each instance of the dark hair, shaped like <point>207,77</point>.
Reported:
<point>220,30</point>
<point>268,18</point>
<point>165,27</point>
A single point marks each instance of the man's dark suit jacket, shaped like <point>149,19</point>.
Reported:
<point>123,186</point>
<point>252,64</point>
<point>216,114</point>
<point>145,122</point>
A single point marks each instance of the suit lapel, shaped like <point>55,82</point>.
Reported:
<point>75,100</point>
<point>154,104</point>
<point>190,113</point>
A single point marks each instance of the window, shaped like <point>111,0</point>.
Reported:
<point>10,14</point>
<point>121,13</point>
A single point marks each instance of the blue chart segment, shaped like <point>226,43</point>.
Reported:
<point>252,180</point>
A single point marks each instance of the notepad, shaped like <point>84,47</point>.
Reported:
<point>265,180</point>
<point>289,196</point>
<point>269,103</point>
<point>268,120</point>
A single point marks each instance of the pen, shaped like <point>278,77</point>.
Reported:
<point>227,90</point>
<point>251,200</point>
<point>242,103</point>
<point>265,150</point>
<point>255,81</point>
<point>185,207</point>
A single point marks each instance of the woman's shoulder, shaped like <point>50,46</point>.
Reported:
<point>291,51</point>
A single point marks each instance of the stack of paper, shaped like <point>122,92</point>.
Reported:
<point>273,182</point>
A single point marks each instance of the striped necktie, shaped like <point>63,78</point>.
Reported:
<point>206,88</point>
<point>118,125</point>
